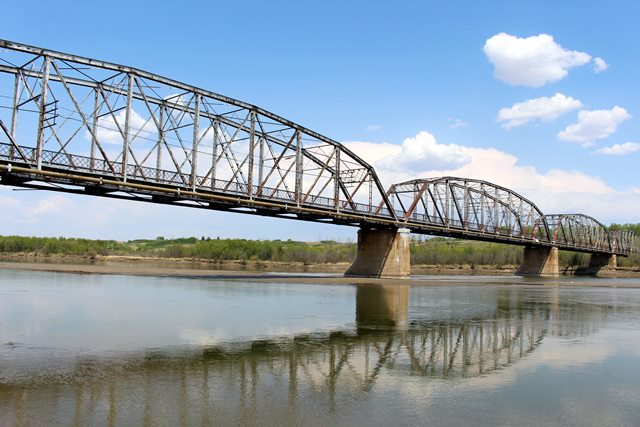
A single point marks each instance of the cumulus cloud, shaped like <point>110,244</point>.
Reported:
<point>599,65</point>
<point>416,154</point>
<point>556,190</point>
<point>544,109</point>
<point>108,127</point>
<point>533,61</point>
<point>592,125</point>
<point>619,149</point>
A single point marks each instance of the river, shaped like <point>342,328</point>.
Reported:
<point>91,349</point>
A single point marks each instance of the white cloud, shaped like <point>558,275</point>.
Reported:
<point>533,61</point>
<point>419,153</point>
<point>373,128</point>
<point>619,149</point>
<point>599,65</point>
<point>108,127</point>
<point>544,109</point>
<point>596,124</point>
<point>556,190</point>
<point>456,123</point>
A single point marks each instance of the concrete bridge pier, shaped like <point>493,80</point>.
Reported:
<point>383,253</point>
<point>539,261</point>
<point>596,263</point>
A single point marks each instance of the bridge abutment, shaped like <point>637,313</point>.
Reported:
<point>539,261</point>
<point>382,253</point>
<point>596,263</point>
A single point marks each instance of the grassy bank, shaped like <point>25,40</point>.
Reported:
<point>434,251</point>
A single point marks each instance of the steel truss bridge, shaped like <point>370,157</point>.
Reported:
<point>80,125</point>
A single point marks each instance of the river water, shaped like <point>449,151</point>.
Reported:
<point>82,349</point>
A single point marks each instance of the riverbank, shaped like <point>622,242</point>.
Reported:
<point>125,263</point>
<point>263,271</point>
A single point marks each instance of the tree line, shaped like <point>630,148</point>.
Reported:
<point>431,251</point>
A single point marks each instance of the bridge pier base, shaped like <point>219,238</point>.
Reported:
<point>540,262</point>
<point>382,253</point>
<point>596,263</point>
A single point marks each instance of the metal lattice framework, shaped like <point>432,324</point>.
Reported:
<point>95,117</point>
<point>469,204</point>
<point>624,241</point>
<point>580,231</point>
<point>80,125</point>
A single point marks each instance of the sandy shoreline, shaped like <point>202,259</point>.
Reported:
<point>441,276</point>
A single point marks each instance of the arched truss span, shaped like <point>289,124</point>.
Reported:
<point>469,204</point>
<point>93,117</point>
<point>579,231</point>
<point>625,241</point>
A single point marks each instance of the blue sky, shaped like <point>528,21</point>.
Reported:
<point>415,88</point>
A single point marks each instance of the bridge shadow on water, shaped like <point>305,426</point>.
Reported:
<point>301,378</point>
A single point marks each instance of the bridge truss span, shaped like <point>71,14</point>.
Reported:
<point>96,118</point>
<point>625,241</point>
<point>582,231</point>
<point>469,205</point>
<point>485,211</point>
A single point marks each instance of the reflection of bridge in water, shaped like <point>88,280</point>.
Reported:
<point>278,379</point>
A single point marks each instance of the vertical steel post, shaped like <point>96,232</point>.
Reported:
<point>194,147</point>
<point>447,209</point>
<point>519,219</point>
<point>336,181</point>
<point>495,211</point>
<point>127,130</point>
<point>370,193</point>
<point>214,154</point>
<point>14,111</point>
<point>298,188</point>
<point>466,205</point>
<point>252,136</point>
<point>43,101</point>
<point>482,208</point>
<point>508,214</point>
<point>425,203</point>
<point>261,164</point>
<point>416,191</point>
<point>94,129</point>
<point>160,142</point>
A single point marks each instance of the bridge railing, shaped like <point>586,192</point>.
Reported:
<point>570,231</point>
<point>83,164</point>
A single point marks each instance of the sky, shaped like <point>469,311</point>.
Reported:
<point>538,96</point>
